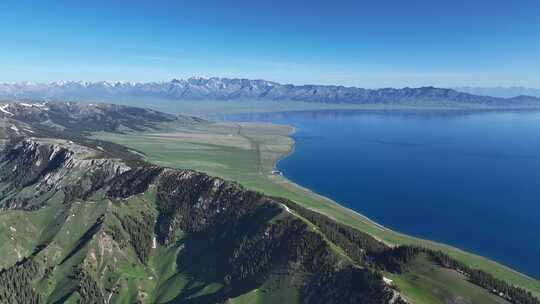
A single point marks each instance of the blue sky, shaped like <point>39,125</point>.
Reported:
<point>360,43</point>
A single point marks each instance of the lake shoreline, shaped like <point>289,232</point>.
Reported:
<point>312,192</point>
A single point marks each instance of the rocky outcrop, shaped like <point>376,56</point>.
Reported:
<point>49,166</point>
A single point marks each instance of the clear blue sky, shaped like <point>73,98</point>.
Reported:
<point>362,43</point>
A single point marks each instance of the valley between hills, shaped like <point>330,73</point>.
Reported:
<point>114,204</point>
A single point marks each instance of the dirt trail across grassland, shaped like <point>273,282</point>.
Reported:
<point>255,146</point>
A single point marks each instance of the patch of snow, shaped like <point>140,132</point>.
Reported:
<point>3,109</point>
<point>12,229</point>
<point>387,281</point>
<point>109,298</point>
<point>19,255</point>
<point>55,150</point>
<point>154,243</point>
<point>14,128</point>
<point>286,208</point>
<point>41,105</point>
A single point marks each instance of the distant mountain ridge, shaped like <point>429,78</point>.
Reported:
<point>504,92</point>
<point>197,88</point>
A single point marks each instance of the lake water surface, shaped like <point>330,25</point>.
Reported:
<point>471,180</point>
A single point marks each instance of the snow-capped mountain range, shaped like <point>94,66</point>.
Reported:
<point>198,88</point>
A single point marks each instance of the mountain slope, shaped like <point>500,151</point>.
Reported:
<point>108,221</point>
<point>232,89</point>
<point>84,221</point>
<point>71,117</point>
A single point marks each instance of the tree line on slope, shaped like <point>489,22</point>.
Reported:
<point>401,255</point>
<point>141,231</point>
<point>248,235</point>
<point>16,283</point>
<point>483,279</point>
<point>366,250</point>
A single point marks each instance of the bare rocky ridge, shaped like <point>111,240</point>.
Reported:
<point>76,117</point>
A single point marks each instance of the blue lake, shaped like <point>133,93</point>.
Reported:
<point>471,180</point>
